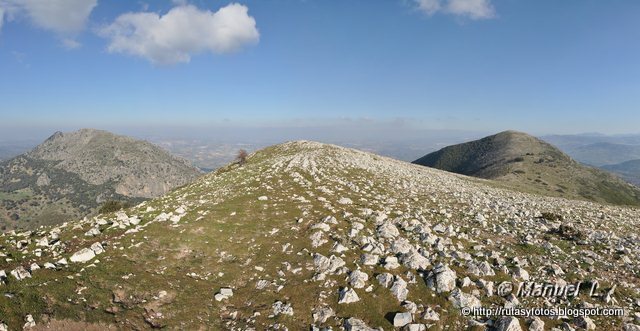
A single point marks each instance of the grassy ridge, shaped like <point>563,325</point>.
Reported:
<point>530,165</point>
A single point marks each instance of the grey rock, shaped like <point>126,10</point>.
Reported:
<point>460,299</point>
<point>415,260</point>
<point>480,269</point>
<point>442,279</point>
<point>399,289</point>
<point>358,279</point>
<point>536,324</point>
<point>631,327</point>
<point>508,323</point>
<point>280,308</point>
<point>97,248</point>
<point>401,246</point>
<point>391,262</point>
<point>347,295</point>
<point>388,230</point>
<point>430,315</point>
<point>585,322</point>
<point>223,294</point>
<point>322,314</point>
<point>385,279</point>
<point>83,255</point>
<point>325,264</point>
<point>369,259</point>
<point>402,319</point>
<point>354,324</point>
<point>20,273</point>
<point>415,327</point>
<point>29,322</point>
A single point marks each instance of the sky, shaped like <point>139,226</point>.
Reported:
<point>542,66</point>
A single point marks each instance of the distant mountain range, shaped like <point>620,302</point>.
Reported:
<point>617,154</point>
<point>629,170</point>
<point>529,164</point>
<point>603,153</point>
<point>71,174</point>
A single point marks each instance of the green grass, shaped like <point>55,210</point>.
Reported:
<point>17,195</point>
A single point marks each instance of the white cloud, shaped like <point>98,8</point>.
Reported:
<point>70,43</point>
<point>429,6</point>
<point>61,16</point>
<point>1,17</point>
<point>181,33</point>
<point>64,17</point>
<point>473,9</point>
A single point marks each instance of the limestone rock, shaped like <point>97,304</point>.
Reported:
<point>461,299</point>
<point>280,308</point>
<point>20,273</point>
<point>399,289</point>
<point>83,255</point>
<point>358,279</point>
<point>508,323</point>
<point>442,279</point>
<point>348,295</point>
<point>322,314</point>
<point>354,324</point>
<point>402,319</point>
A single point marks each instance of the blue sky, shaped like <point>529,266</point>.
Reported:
<point>484,65</point>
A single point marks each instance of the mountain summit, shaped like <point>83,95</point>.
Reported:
<point>529,164</point>
<point>70,174</point>
<point>308,236</point>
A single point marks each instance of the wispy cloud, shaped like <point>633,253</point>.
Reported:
<point>473,9</point>
<point>182,32</point>
<point>66,18</point>
<point>1,17</point>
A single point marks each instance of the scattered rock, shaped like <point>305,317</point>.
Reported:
<point>322,314</point>
<point>536,324</point>
<point>399,289</point>
<point>280,308</point>
<point>358,279</point>
<point>83,255</point>
<point>29,322</point>
<point>508,323</point>
<point>20,273</point>
<point>442,279</point>
<point>585,322</point>
<point>430,315</point>
<point>388,230</point>
<point>347,295</point>
<point>97,248</point>
<point>463,300</point>
<point>354,324</point>
<point>345,201</point>
<point>385,279</point>
<point>225,293</point>
<point>402,319</point>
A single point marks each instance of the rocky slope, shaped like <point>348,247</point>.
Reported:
<point>70,174</point>
<point>529,164</point>
<point>312,236</point>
